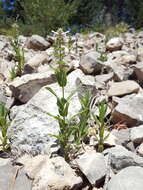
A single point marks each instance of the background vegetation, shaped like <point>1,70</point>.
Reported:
<point>42,16</point>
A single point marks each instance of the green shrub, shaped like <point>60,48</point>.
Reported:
<point>67,130</point>
<point>19,55</point>
<point>114,31</point>
<point>62,102</point>
<point>102,122</point>
<point>47,14</point>
<point>4,127</point>
<point>103,57</point>
<point>81,130</point>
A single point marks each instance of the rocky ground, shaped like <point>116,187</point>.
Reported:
<point>111,69</point>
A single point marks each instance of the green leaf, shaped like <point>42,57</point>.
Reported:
<point>52,91</point>
<point>106,137</point>
<point>96,120</point>
<point>53,116</point>
<point>61,62</point>
<point>73,92</point>
<point>57,137</point>
<point>61,77</point>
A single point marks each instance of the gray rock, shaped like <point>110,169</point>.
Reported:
<point>123,88</point>
<point>31,125</point>
<point>136,134</point>
<point>25,87</point>
<point>129,110</point>
<point>93,166</point>
<point>89,63</point>
<point>87,84</point>
<point>122,158</point>
<point>127,179</point>
<point>122,136</point>
<point>52,173</point>
<point>37,42</point>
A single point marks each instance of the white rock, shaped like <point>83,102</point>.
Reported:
<point>35,62</point>
<point>4,161</point>
<point>114,44</point>
<point>138,69</point>
<point>136,134</point>
<point>123,88</point>
<point>90,63</point>
<point>5,67</point>
<point>140,149</point>
<point>129,110</point>
<point>37,42</point>
<point>140,54</point>
<point>51,174</point>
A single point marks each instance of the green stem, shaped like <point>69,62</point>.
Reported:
<point>63,92</point>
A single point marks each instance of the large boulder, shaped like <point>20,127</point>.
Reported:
<point>138,69</point>
<point>119,62</point>
<point>140,150</point>
<point>122,136</point>
<point>121,72</point>
<point>3,97</point>
<point>36,61</point>
<point>12,177</point>
<point>129,110</point>
<point>122,158</point>
<point>104,78</point>
<point>51,174</point>
<point>122,57</point>
<point>93,166</point>
<point>130,43</point>
<point>114,44</point>
<point>140,54</point>
<point>37,42</point>
<point>5,67</point>
<point>127,179</point>
<point>123,88</point>
<point>6,50</point>
<point>31,125</point>
<point>95,39</point>
<point>90,63</point>
<point>25,87</point>
<point>136,134</point>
